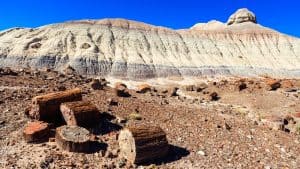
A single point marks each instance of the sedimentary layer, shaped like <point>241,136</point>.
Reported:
<point>134,50</point>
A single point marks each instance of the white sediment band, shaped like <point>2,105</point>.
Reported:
<point>117,47</point>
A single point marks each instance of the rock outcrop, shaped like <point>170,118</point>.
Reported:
<point>240,16</point>
<point>134,50</point>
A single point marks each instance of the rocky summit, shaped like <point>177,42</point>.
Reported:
<point>135,50</point>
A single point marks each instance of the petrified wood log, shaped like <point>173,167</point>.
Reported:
<point>81,113</point>
<point>73,139</point>
<point>36,131</point>
<point>47,107</point>
<point>143,143</point>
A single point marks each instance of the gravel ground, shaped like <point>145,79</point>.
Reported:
<point>227,133</point>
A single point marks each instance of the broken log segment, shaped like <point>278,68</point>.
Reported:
<point>80,113</point>
<point>143,88</point>
<point>143,143</point>
<point>47,107</point>
<point>121,90</point>
<point>36,131</point>
<point>73,139</point>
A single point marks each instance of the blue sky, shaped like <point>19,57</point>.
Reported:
<point>282,15</point>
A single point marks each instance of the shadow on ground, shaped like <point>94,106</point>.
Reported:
<point>105,126</point>
<point>175,153</point>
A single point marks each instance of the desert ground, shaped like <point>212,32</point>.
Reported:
<point>219,123</point>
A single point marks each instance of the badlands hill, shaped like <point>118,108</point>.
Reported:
<point>134,50</point>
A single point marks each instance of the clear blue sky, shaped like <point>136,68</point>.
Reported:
<point>282,15</point>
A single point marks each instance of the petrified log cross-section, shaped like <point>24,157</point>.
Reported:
<point>143,143</point>
<point>46,107</point>
<point>36,131</point>
<point>81,113</point>
<point>73,139</point>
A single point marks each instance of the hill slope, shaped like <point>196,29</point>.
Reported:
<point>129,49</point>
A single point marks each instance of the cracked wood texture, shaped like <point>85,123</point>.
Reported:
<point>143,143</point>
<point>81,113</point>
<point>47,107</point>
<point>73,138</point>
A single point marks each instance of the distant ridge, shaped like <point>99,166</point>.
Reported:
<point>135,50</point>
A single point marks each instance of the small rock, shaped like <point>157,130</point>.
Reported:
<point>290,90</point>
<point>49,78</point>
<point>200,152</point>
<point>242,86</point>
<point>135,116</point>
<point>143,88</point>
<point>96,84</point>
<point>121,119</point>
<point>273,84</point>
<point>121,90</point>
<point>2,122</point>
<point>200,87</point>
<point>172,91</point>
<point>227,126</point>
<point>214,96</point>
<point>268,167</point>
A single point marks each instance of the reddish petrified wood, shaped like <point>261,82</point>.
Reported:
<point>36,131</point>
<point>143,143</point>
<point>81,113</point>
<point>47,107</point>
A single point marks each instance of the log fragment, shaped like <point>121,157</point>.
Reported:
<point>96,84</point>
<point>143,88</point>
<point>36,131</point>
<point>73,139</point>
<point>47,107</point>
<point>273,84</point>
<point>143,143</point>
<point>80,113</point>
<point>121,90</point>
